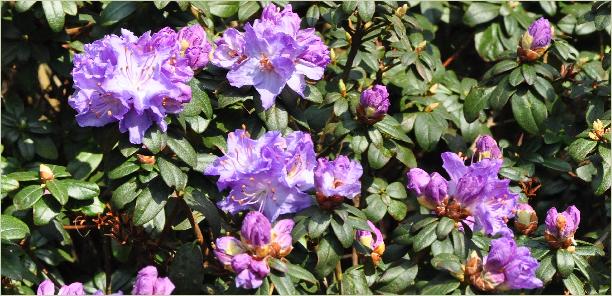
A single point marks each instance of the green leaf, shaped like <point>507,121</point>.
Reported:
<point>446,261</point>
<point>27,197</point>
<point>298,272</point>
<point>247,9</point>
<point>277,265</point>
<point>516,77</point>
<point>276,118</point>
<point>116,11</point>
<point>22,6</point>
<point>378,156</point>
<point>391,127</point>
<point>44,210</point>
<point>565,263</point>
<point>397,278</point>
<point>343,231</point>
<point>545,89</point>
<point>45,147</point>
<point>223,9</point>
<point>59,190</point>
<point>589,251</point>
<point>183,150</point>
<point>397,190</point>
<point>428,130</point>
<point>489,44</point>
<point>529,112</point>
<point>359,144</point>
<point>445,226</point>
<point>547,269</point>
<point>458,239</point>
<point>81,190</point>
<point>500,95</point>
<point>150,202</point>
<point>54,13</point>
<point>200,102</point>
<point>328,254</point>
<point>8,184</point>
<point>312,15</point>
<point>155,140</point>
<point>186,269</point>
<point>354,282</point>
<point>425,237</point>
<point>124,169</point>
<point>501,67</point>
<point>574,285</point>
<point>125,194</point>
<point>475,101</point>
<point>318,223</point>
<point>366,9</point>
<point>528,73</point>
<point>283,284</point>
<point>376,209</point>
<point>440,287</point>
<point>171,174</point>
<point>556,164</point>
<point>12,228</point>
<point>83,164</point>
<point>397,209</point>
<point>480,12</point>
<point>201,202</point>
<point>313,94</point>
<point>26,148</point>
<point>581,148</point>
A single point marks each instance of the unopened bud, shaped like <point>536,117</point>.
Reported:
<point>367,25</point>
<point>45,173</point>
<point>431,107</point>
<point>526,219</point>
<point>146,159</point>
<point>401,11</point>
<point>342,88</point>
<point>332,55</point>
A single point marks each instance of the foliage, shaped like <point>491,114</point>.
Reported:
<point>452,72</point>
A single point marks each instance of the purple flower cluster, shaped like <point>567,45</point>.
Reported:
<point>474,194</point>
<point>136,80</point>
<point>374,104</point>
<point>506,267</point>
<point>48,288</point>
<point>375,243</point>
<point>270,174</point>
<point>561,227</point>
<point>541,33</point>
<point>147,283</point>
<point>271,53</point>
<point>248,258</point>
<point>339,177</point>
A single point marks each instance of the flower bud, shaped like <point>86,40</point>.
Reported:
<point>46,288</point>
<point>536,40</point>
<point>374,104</point>
<point>256,229</point>
<point>45,173</point>
<point>342,88</point>
<point>561,227</point>
<point>226,248</point>
<point>376,244</point>
<point>401,11</point>
<point>486,147</point>
<point>146,159</point>
<point>526,219</point>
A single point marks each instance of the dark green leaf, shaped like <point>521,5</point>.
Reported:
<point>376,208</point>
<point>391,127</point>
<point>378,156</point>
<point>44,210</point>
<point>343,231</point>
<point>547,269</point>
<point>247,9</point>
<point>283,284</point>
<point>354,282</point>
<point>81,190</point>
<point>27,197</point>
<point>475,101</point>
<point>124,194</point>
<point>186,270</point>
<point>574,285</point>
<point>298,272</point>
<point>124,169</point>
<point>397,209</point>
<point>59,190</point>
<point>446,261</point>
<point>516,77</point>
<point>329,251</point>
<point>171,174</point>
<point>200,102</point>
<point>425,237</point>
<point>155,140</point>
<point>529,112</point>
<point>223,8</point>
<point>445,226</point>
<point>480,12</point>
<point>565,263</point>
<point>117,11</point>
<point>84,164</point>
<point>366,9</point>
<point>318,223</point>
<point>150,202</point>
<point>183,150</point>
<point>54,12</point>
<point>440,287</point>
<point>581,148</point>
<point>12,228</point>
<point>528,73</point>
<point>500,95</point>
<point>397,278</point>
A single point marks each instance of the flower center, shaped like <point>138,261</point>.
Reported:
<point>266,64</point>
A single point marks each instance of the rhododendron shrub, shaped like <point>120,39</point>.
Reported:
<point>274,147</point>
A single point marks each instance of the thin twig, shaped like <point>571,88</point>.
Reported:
<point>457,53</point>
<point>78,227</point>
<point>194,225</point>
<point>355,43</point>
<point>106,246</point>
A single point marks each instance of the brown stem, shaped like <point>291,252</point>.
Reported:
<point>456,54</point>
<point>78,227</point>
<point>339,271</point>
<point>194,225</point>
<point>355,43</point>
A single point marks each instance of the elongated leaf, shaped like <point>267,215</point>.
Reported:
<point>27,197</point>
<point>12,228</point>
<point>529,112</point>
<point>54,12</point>
<point>328,254</point>
<point>59,190</point>
<point>171,174</point>
<point>183,150</point>
<point>150,201</point>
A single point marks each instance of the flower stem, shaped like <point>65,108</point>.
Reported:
<point>355,43</point>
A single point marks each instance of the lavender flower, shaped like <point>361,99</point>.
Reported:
<point>339,177</point>
<point>132,80</point>
<point>194,46</point>
<point>474,194</point>
<point>48,288</point>
<point>148,283</point>
<point>506,267</point>
<point>374,104</point>
<point>267,175</point>
<point>279,54</point>
<point>376,244</point>
<point>561,227</point>
<point>536,40</point>
<point>486,147</point>
<point>526,219</point>
<point>248,258</point>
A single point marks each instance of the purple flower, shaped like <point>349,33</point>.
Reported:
<point>375,243</point>
<point>431,189</point>
<point>474,194</point>
<point>541,33</point>
<point>267,175</point>
<point>72,289</point>
<point>230,50</point>
<point>147,283</point>
<point>486,147</point>
<point>133,80</point>
<point>561,227</point>
<point>509,267</point>
<point>256,229</point>
<point>194,46</point>
<point>248,258</point>
<point>374,104</point>
<point>278,54</point>
<point>339,177</point>
<point>526,219</point>
<point>46,287</point>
